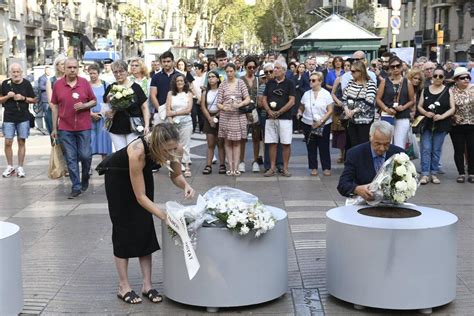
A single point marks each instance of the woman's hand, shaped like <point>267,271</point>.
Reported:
<point>391,111</point>
<point>146,130</point>
<point>429,115</point>
<point>109,114</point>
<point>188,191</point>
<point>317,124</point>
<point>211,122</point>
<point>95,116</point>
<point>437,117</point>
<point>349,113</point>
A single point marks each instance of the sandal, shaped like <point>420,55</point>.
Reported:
<point>229,173</point>
<point>237,173</point>
<point>424,180</point>
<point>130,297</point>
<point>286,173</point>
<point>187,173</point>
<point>269,173</point>
<point>222,169</point>
<point>314,172</point>
<point>207,170</point>
<point>327,173</point>
<point>461,179</point>
<point>153,296</point>
<point>435,180</point>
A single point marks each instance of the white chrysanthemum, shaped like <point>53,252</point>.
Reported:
<point>401,185</point>
<point>231,221</point>
<point>244,230</point>
<point>401,171</point>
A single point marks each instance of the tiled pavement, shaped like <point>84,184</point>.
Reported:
<point>67,252</point>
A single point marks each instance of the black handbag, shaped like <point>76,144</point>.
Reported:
<point>247,109</point>
<point>32,119</point>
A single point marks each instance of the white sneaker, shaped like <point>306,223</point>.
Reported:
<point>242,166</point>
<point>255,167</point>
<point>8,172</point>
<point>20,173</point>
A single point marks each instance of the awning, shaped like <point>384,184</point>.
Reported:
<point>99,55</point>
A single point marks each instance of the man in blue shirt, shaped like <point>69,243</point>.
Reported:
<point>364,161</point>
<point>160,83</point>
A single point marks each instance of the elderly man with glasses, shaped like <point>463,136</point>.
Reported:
<point>347,77</point>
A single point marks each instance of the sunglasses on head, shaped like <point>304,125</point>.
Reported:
<point>464,78</point>
<point>395,66</point>
<point>438,76</point>
<point>268,72</point>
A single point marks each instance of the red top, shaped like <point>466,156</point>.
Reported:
<point>65,97</point>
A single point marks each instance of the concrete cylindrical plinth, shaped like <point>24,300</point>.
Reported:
<point>235,270</point>
<point>11,284</point>
<point>392,263</point>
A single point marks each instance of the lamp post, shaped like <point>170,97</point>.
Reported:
<point>122,4</point>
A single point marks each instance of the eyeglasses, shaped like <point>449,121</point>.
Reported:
<point>355,70</point>
<point>395,66</point>
<point>267,72</point>
<point>116,72</point>
<point>438,76</point>
<point>250,67</point>
<point>416,78</point>
<point>464,78</point>
<point>135,65</point>
<point>374,65</point>
<point>314,80</point>
<point>357,59</point>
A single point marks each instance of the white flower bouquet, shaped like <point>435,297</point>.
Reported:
<point>395,182</point>
<point>121,97</point>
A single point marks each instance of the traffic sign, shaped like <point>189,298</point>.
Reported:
<point>395,31</point>
<point>396,4</point>
<point>395,22</point>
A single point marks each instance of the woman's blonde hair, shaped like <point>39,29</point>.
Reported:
<point>360,66</point>
<point>319,75</point>
<point>143,67</point>
<point>57,61</point>
<point>416,72</point>
<point>160,135</point>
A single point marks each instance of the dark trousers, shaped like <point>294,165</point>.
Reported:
<point>313,143</point>
<point>358,133</point>
<point>197,116</point>
<point>462,137</point>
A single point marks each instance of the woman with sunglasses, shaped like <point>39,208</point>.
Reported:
<point>211,123</point>
<point>231,96</point>
<point>358,100</point>
<point>316,113</point>
<point>462,132</point>
<point>395,98</point>
<point>251,82</point>
<point>437,105</point>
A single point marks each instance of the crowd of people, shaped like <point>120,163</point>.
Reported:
<point>231,99</point>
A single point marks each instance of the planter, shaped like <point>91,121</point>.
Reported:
<point>401,259</point>
<point>11,284</point>
<point>235,270</point>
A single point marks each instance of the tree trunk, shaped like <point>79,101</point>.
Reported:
<point>280,22</point>
<point>294,27</point>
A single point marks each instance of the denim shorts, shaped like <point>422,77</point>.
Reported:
<point>22,130</point>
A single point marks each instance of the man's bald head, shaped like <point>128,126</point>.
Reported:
<point>358,55</point>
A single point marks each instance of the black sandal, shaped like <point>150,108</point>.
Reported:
<point>461,179</point>
<point>129,297</point>
<point>222,169</point>
<point>153,296</point>
<point>207,170</point>
<point>470,179</point>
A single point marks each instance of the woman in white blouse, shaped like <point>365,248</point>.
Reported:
<point>316,112</point>
<point>179,104</point>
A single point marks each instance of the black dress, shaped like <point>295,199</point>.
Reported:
<point>133,231</point>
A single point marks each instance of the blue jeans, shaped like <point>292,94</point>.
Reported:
<point>431,145</point>
<point>266,156</point>
<point>77,147</point>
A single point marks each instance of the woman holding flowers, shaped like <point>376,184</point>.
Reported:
<point>128,115</point>
<point>462,132</point>
<point>211,123</point>
<point>437,105</point>
<point>232,95</point>
<point>130,192</point>
<point>179,105</point>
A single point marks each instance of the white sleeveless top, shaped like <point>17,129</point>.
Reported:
<point>211,97</point>
<point>180,102</point>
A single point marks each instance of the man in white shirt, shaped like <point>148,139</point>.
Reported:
<point>357,56</point>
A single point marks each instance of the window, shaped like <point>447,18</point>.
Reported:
<point>460,22</point>
<point>405,16</point>
<point>413,16</point>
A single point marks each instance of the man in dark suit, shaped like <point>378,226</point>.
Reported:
<point>363,161</point>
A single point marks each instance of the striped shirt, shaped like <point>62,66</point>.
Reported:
<point>361,97</point>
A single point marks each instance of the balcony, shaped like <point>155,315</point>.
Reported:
<point>33,20</point>
<point>74,26</point>
<point>103,24</point>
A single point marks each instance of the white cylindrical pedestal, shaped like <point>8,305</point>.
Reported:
<point>392,263</point>
<point>235,270</point>
<point>11,285</point>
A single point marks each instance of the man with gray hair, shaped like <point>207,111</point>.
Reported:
<point>278,99</point>
<point>428,70</point>
<point>364,161</point>
<point>16,94</point>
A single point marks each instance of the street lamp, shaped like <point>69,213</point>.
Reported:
<point>122,4</point>
<point>61,12</point>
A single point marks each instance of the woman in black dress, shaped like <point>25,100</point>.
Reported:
<point>129,187</point>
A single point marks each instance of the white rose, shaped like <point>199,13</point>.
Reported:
<point>231,221</point>
<point>118,95</point>
<point>244,230</point>
<point>124,93</point>
<point>402,158</point>
<point>140,129</point>
<point>411,168</point>
<point>130,91</point>
<point>401,185</point>
<point>431,106</point>
<point>75,95</point>
<point>216,120</point>
<point>412,185</point>
<point>273,104</point>
<point>401,171</point>
<point>399,198</point>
